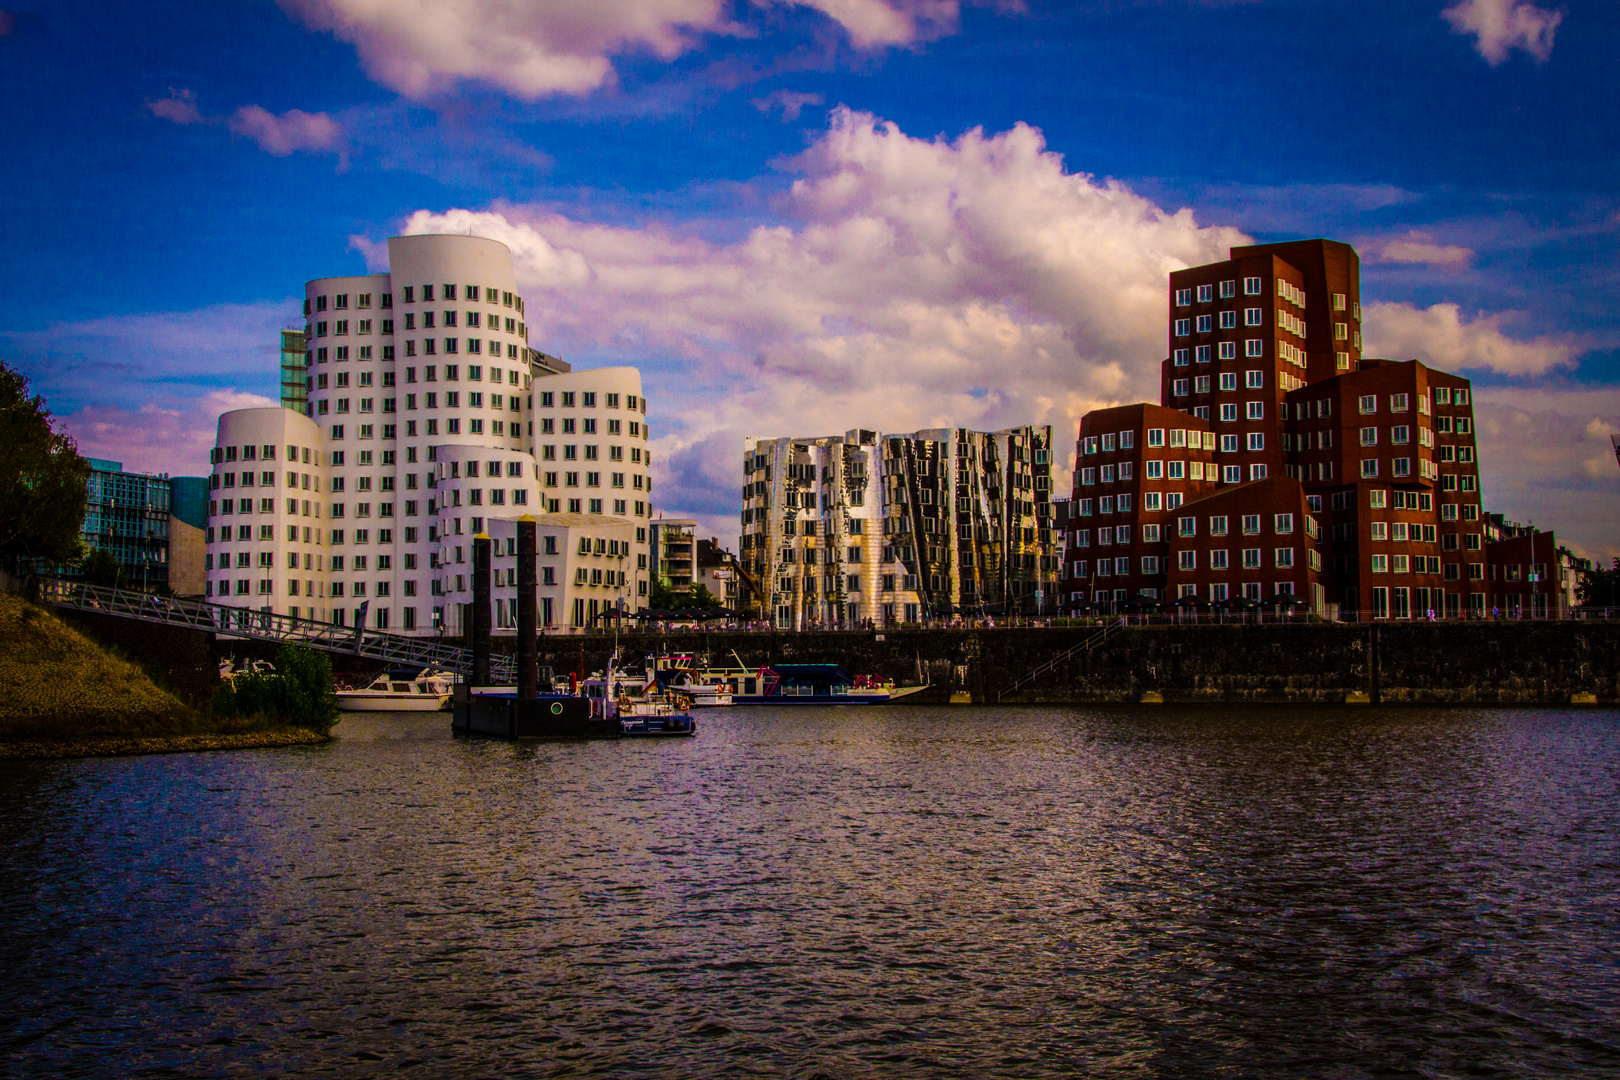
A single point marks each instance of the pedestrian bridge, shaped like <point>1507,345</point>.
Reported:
<point>222,619</point>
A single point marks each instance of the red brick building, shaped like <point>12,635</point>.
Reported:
<point>1276,415</point>
<point>1255,540</point>
<point>1136,466</point>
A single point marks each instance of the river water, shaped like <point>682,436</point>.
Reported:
<point>1136,892</point>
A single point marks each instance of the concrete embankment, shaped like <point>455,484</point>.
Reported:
<point>1477,663</point>
<point>63,694</point>
<point>1461,663</point>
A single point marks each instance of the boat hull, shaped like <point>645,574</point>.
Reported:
<point>361,701</point>
<point>876,697</point>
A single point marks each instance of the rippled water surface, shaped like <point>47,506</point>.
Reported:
<point>878,892</point>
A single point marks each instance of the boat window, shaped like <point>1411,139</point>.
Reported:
<point>401,688</point>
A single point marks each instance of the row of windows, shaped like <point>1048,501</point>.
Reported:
<point>1401,532</point>
<point>341,301</point>
<point>587,400</point>
<point>256,452</point>
<point>1156,437</point>
<point>448,292</point>
<point>1281,524</point>
<point>587,426</point>
<point>594,479</point>
<point>408,296</point>
<point>1252,286</point>
<point>615,453</point>
<point>475,347</point>
<point>340,328</point>
<point>1206,325</point>
<point>452,426</point>
<point>1282,559</point>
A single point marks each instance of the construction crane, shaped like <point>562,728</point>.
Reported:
<point>1615,439</point>
<point>747,579</point>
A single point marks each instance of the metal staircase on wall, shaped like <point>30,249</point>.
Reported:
<point>266,626</point>
<point>1091,641</point>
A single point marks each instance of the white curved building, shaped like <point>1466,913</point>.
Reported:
<point>430,418</point>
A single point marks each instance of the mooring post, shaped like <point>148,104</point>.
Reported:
<point>528,644</point>
<point>480,610</point>
<point>1372,664</point>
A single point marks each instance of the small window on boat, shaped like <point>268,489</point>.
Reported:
<point>401,687</point>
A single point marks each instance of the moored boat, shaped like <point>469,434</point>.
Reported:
<point>428,691</point>
<point>817,684</point>
<point>641,707</point>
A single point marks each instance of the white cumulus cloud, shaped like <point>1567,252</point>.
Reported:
<point>1545,456</point>
<point>1441,337</point>
<point>179,107</point>
<point>1500,26</point>
<point>1420,247</point>
<point>172,436</point>
<point>536,48</point>
<point>916,283</point>
<point>292,131</point>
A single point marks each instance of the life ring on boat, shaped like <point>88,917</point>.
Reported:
<point>624,702</point>
<point>683,702</point>
<point>556,708</point>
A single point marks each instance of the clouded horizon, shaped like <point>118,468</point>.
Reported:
<point>803,217</point>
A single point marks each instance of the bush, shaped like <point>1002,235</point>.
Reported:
<point>299,693</point>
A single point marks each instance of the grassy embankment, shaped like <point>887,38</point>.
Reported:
<point>63,695</point>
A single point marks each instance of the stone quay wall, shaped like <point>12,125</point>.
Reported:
<point>1458,662</point>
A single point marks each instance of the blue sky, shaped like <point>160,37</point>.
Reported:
<point>801,217</point>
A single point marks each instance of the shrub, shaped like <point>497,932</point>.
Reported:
<point>299,693</point>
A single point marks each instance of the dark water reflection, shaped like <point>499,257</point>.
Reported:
<point>883,892</point>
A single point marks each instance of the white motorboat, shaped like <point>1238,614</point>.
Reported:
<point>683,675</point>
<point>427,692</point>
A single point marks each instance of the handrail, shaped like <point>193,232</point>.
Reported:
<point>1090,642</point>
<point>266,626</point>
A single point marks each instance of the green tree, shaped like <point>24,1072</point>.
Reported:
<point>661,597</point>
<point>100,568</point>
<point>1599,587</point>
<point>298,693</point>
<point>700,597</point>
<point>44,483</point>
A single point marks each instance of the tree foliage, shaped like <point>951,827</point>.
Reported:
<point>43,480</point>
<point>100,568</point>
<point>1599,587</point>
<point>298,693</point>
<point>662,598</point>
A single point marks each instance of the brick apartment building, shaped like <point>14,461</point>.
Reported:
<point>1282,462</point>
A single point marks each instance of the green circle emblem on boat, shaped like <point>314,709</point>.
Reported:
<point>556,708</point>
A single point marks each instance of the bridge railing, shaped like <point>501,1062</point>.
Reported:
<point>266,626</point>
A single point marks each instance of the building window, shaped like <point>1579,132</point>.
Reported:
<point>1254,347</point>
<point>1183,298</point>
<point>1183,327</point>
<point>1369,468</point>
<point>1182,357</point>
<point>1257,440</point>
<point>1253,317</point>
<point>1251,558</point>
<point>1251,286</point>
<point>1257,410</point>
<point>1187,560</point>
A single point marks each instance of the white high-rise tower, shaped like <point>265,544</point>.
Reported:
<point>431,419</point>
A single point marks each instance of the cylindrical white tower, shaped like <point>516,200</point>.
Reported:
<point>422,388</point>
<point>266,542</point>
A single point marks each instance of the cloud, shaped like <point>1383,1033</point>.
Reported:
<point>1500,26</point>
<point>537,48</point>
<point>1441,337</point>
<point>151,356</point>
<point>171,436</point>
<point>790,102</point>
<point>292,131</point>
<point>180,107</point>
<point>1546,457</point>
<point>915,283</point>
<point>872,23</point>
<point>1420,247</point>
